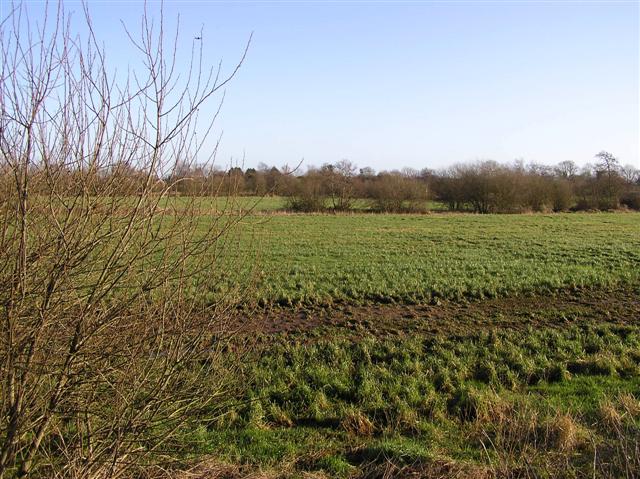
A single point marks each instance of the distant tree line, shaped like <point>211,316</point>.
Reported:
<point>480,187</point>
<point>490,187</point>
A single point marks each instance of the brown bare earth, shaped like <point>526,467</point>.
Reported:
<point>618,306</point>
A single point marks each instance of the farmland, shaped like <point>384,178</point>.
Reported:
<point>358,345</point>
<point>493,404</point>
<point>435,346</point>
<point>168,312</point>
<point>323,259</point>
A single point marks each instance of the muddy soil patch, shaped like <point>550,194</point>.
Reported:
<point>558,309</point>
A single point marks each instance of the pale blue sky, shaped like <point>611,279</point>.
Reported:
<point>418,84</point>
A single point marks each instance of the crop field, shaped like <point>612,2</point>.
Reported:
<point>440,345</point>
<point>323,259</point>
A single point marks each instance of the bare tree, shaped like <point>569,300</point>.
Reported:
<point>607,169</point>
<point>566,169</point>
<point>630,174</point>
<point>339,185</point>
<point>105,347</point>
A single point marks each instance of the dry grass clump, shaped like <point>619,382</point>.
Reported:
<point>520,440</point>
<point>629,404</point>
<point>609,414</point>
<point>279,417</point>
<point>509,426</point>
<point>619,453</point>
<point>356,423</point>
<point>406,420</point>
<point>564,433</point>
<point>615,416</point>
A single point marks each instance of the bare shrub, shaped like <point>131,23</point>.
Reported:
<point>306,194</point>
<point>562,196</point>
<point>106,348</point>
<point>631,200</point>
<point>393,192</point>
<point>339,184</point>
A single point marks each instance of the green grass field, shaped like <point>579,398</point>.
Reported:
<point>230,204</point>
<point>321,259</point>
<point>534,403</point>
<point>541,386</point>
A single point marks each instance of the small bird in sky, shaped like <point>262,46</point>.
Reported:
<point>198,38</point>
